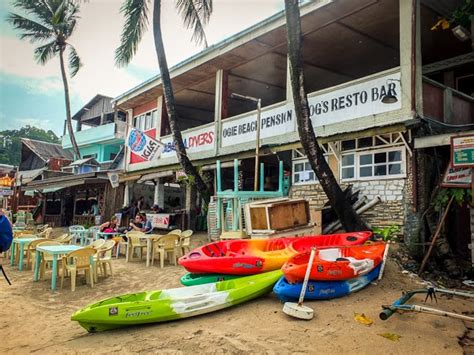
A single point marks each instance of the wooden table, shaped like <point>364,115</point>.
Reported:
<point>54,250</point>
<point>20,242</point>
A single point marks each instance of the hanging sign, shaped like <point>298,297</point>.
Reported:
<point>462,151</point>
<point>159,220</point>
<point>143,145</point>
<point>457,177</point>
<point>6,192</point>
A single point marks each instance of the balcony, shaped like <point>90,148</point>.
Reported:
<point>109,133</point>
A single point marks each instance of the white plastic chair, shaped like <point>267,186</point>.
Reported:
<point>73,231</point>
<point>92,234</point>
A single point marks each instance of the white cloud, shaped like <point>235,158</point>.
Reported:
<point>10,124</point>
<point>98,35</point>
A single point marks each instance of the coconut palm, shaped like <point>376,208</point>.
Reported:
<point>196,14</point>
<point>50,24</point>
<point>344,211</point>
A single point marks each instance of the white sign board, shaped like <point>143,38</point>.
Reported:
<point>6,192</point>
<point>143,145</point>
<point>159,220</point>
<point>274,122</point>
<point>344,104</point>
<point>457,177</point>
<point>198,140</point>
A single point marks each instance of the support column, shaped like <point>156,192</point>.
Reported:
<point>126,195</point>
<point>159,195</point>
<point>221,100</point>
<point>191,195</point>
<point>129,120</point>
<point>410,57</point>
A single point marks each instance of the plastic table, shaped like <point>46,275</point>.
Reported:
<point>54,250</point>
<point>21,242</point>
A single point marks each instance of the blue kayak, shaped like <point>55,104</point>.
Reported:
<point>323,290</point>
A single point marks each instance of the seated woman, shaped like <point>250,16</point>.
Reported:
<point>111,226</point>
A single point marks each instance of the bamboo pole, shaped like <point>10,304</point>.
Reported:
<point>435,236</point>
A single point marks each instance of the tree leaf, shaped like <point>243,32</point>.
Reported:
<point>390,336</point>
<point>363,319</point>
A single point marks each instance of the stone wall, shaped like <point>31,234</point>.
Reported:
<point>386,213</point>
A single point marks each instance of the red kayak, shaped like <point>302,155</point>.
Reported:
<point>253,256</point>
<point>334,264</point>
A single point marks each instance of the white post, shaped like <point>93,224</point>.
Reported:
<point>156,196</point>
<point>126,195</point>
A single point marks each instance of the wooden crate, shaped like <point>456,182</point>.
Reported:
<point>271,216</point>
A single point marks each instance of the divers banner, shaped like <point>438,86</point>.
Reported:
<point>142,145</point>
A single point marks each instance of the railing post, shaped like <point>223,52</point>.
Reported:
<point>447,105</point>
<point>262,176</point>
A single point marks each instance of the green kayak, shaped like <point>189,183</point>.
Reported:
<point>175,303</point>
<point>191,279</point>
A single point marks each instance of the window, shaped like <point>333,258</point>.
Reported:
<point>387,163</point>
<point>90,156</point>
<point>303,173</point>
<point>146,121</point>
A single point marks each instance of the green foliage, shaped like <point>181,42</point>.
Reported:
<point>460,16</point>
<point>444,195</point>
<point>10,142</point>
<point>388,233</point>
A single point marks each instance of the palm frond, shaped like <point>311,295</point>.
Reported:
<point>136,21</point>
<point>34,31</point>
<point>74,61</point>
<point>196,14</point>
<point>46,52</point>
<point>38,8</point>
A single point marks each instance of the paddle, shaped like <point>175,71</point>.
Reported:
<point>297,310</point>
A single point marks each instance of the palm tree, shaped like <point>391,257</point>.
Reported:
<point>344,211</point>
<point>51,24</point>
<point>196,14</point>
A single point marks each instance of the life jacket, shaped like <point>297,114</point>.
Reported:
<point>6,234</point>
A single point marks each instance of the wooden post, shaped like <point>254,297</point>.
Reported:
<point>257,147</point>
<point>435,236</point>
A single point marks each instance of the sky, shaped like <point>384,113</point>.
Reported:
<point>32,94</point>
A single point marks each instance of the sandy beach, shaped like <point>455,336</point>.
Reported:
<point>33,319</point>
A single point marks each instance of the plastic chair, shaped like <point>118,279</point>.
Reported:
<point>104,257</point>
<point>73,230</point>
<point>134,242</point>
<point>97,244</point>
<point>176,231</point>
<point>165,245</point>
<point>47,258</point>
<point>67,239</point>
<point>185,241</point>
<point>92,234</point>
<point>78,260</point>
<point>31,251</point>
<point>46,233</point>
<point>42,228</point>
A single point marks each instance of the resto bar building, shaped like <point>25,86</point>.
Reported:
<point>355,53</point>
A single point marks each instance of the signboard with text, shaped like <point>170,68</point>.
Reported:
<point>457,177</point>
<point>198,140</point>
<point>143,145</point>
<point>347,103</point>
<point>462,151</point>
<point>159,220</point>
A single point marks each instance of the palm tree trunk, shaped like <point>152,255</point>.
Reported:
<point>75,148</point>
<point>181,153</point>
<point>344,211</point>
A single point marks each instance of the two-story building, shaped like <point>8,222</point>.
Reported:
<point>377,76</point>
<point>70,198</point>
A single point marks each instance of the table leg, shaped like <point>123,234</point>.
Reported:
<point>20,263</point>
<point>54,272</point>
<point>12,254</point>
<point>37,265</point>
<point>148,251</point>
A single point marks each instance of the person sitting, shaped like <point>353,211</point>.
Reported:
<point>141,224</point>
<point>6,233</point>
<point>111,226</point>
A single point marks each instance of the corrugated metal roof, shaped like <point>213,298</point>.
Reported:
<point>27,176</point>
<point>45,150</point>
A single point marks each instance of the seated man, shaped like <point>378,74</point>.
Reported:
<point>6,234</point>
<point>141,224</point>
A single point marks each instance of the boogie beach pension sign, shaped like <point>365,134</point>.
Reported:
<point>326,108</point>
<point>143,145</point>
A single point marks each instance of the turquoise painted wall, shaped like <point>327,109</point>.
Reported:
<point>102,151</point>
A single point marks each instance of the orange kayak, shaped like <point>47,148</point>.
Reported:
<point>253,256</point>
<point>332,264</point>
